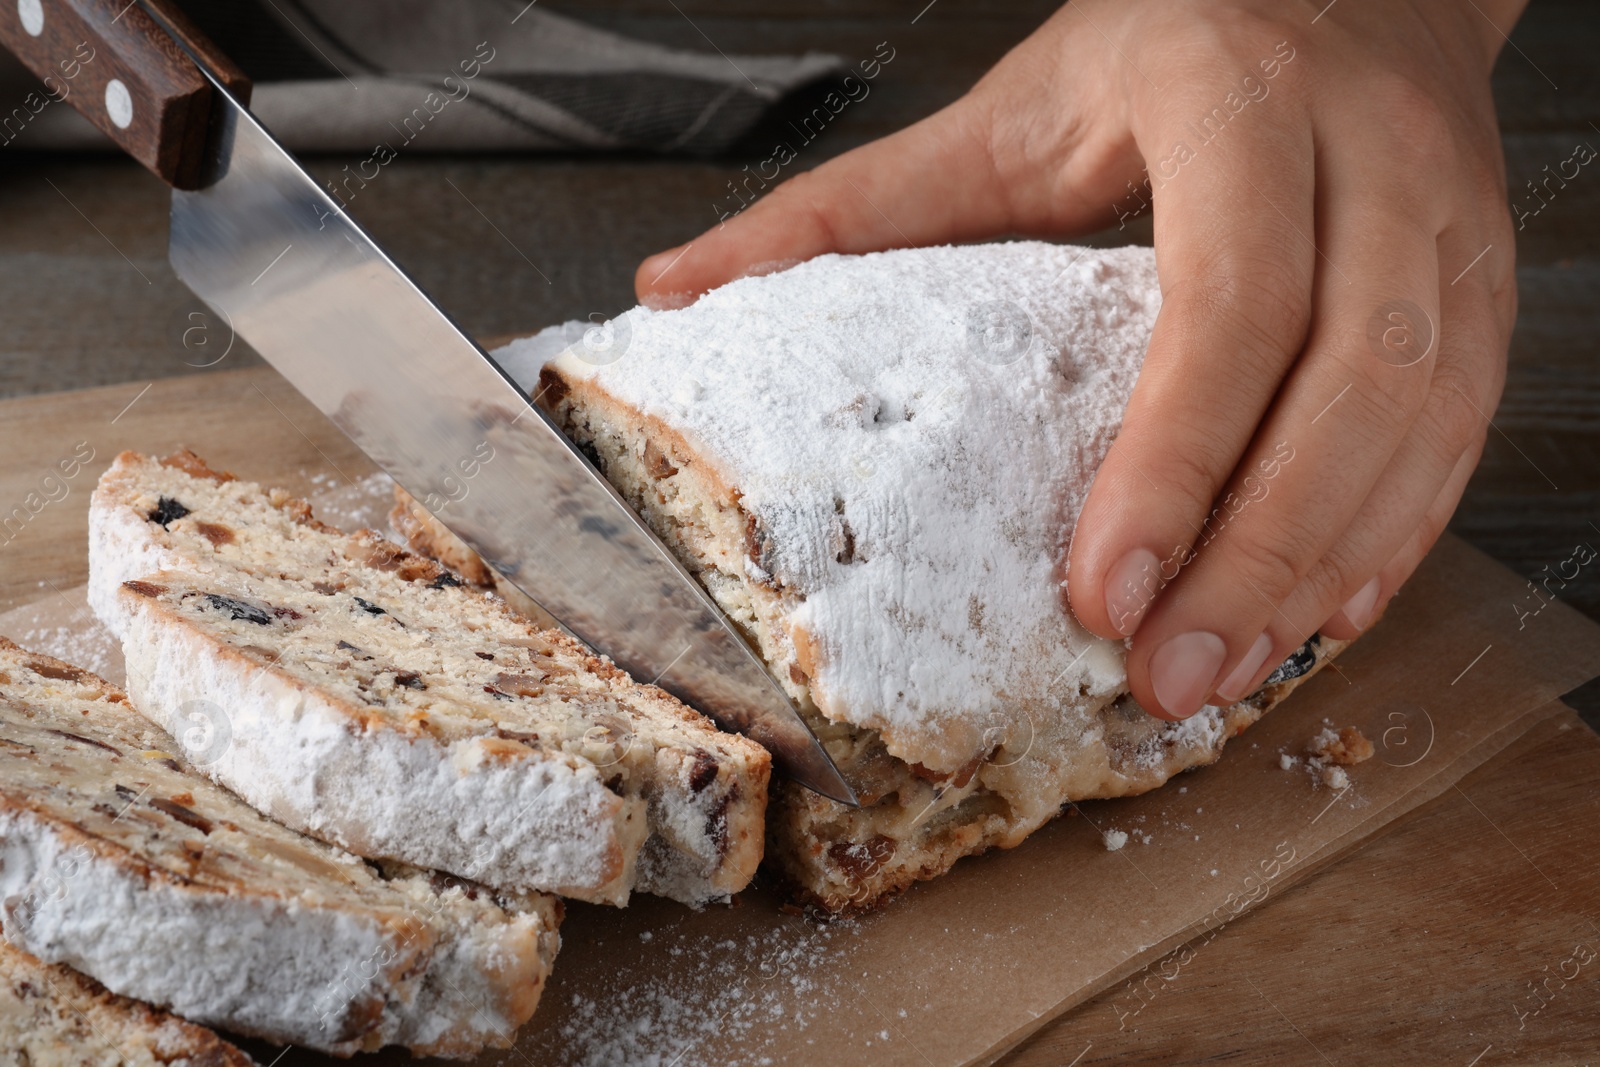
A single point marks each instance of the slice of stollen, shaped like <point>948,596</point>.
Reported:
<point>377,702</point>
<point>126,864</point>
<point>874,464</point>
<point>52,1016</point>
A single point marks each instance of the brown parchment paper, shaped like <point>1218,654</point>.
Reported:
<point>963,968</point>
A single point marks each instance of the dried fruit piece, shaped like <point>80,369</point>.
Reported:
<point>237,609</point>
<point>409,679</point>
<point>185,815</point>
<point>167,510</point>
<point>216,533</point>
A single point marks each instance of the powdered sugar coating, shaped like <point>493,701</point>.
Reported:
<point>914,432</point>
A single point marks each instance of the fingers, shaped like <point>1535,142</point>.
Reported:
<point>1413,500</point>
<point>930,183</point>
<point>1369,363</point>
<point>1399,567</point>
<point>1347,588</point>
<point>1236,301</point>
<point>1405,562</point>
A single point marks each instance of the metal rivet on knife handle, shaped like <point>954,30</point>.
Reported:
<point>114,63</point>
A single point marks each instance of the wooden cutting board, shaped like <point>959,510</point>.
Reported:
<point>1340,957</point>
<point>247,420</point>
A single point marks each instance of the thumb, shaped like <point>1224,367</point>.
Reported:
<point>931,183</point>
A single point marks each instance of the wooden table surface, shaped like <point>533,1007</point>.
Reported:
<point>1484,894</point>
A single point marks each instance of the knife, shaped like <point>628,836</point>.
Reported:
<point>278,259</point>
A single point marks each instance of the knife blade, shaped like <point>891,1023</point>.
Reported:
<point>276,257</point>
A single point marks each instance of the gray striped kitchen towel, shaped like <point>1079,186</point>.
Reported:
<point>469,75</point>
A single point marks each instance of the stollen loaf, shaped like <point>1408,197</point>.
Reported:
<point>874,464</point>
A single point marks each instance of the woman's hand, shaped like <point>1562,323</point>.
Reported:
<point>1336,261</point>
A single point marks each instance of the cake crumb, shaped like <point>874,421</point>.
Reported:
<point>1326,775</point>
<point>1115,839</point>
<point>1287,762</point>
<point>1346,748</point>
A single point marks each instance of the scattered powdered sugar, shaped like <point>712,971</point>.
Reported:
<point>62,626</point>
<point>914,433</point>
<point>1115,839</point>
<point>359,505</point>
<point>723,1002</point>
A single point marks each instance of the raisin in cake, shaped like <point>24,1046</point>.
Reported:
<point>120,861</point>
<point>377,702</point>
<point>874,463</point>
<point>52,1016</point>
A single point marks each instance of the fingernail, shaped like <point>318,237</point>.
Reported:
<point>658,264</point>
<point>1182,670</point>
<point>1233,686</point>
<point>1130,587</point>
<point>1358,609</point>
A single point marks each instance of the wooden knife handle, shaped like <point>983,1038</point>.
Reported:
<point>117,66</point>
